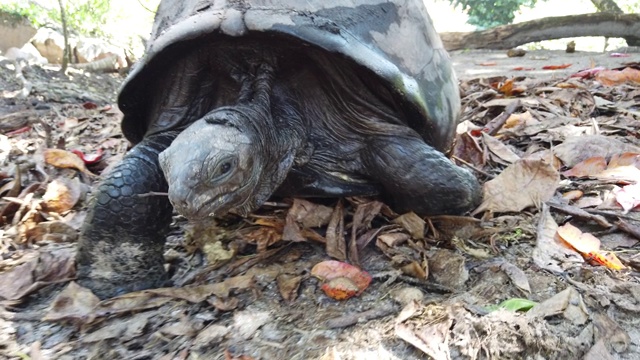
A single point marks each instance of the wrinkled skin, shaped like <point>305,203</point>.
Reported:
<point>214,177</point>
<point>280,123</point>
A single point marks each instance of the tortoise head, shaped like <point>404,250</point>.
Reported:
<point>218,164</point>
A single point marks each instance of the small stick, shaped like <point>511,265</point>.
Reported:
<point>153,193</point>
<point>498,122</point>
<point>473,167</point>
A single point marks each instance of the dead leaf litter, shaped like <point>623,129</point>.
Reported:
<point>547,267</point>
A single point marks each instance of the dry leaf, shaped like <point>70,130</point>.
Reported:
<point>74,303</point>
<point>588,167</point>
<point>340,288</point>
<point>336,246</point>
<point>66,160</point>
<point>589,246</point>
<point>628,196</point>
<point>412,223</point>
<point>549,252</point>
<point>579,148</point>
<point>56,231</point>
<point>616,77</point>
<point>288,286</point>
<point>246,323</point>
<point>448,268</point>
<point>466,148</point>
<point>555,67</point>
<point>498,148</point>
<point>517,276</point>
<point>523,184</point>
<point>349,274</point>
<point>62,195</point>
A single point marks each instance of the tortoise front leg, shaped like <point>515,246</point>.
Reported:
<point>418,178</point>
<point>122,239</point>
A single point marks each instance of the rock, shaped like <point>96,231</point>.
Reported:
<point>49,44</point>
<point>16,31</point>
<point>28,53</point>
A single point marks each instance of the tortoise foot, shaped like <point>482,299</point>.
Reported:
<point>121,245</point>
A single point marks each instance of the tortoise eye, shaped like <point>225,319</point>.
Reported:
<point>224,168</point>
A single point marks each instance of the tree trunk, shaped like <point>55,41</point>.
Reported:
<point>509,36</point>
<point>66,55</point>
<point>611,7</point>
<point>607,6</point>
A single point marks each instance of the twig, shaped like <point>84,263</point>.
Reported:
<point>606,213</point>
<point>628,228</point>
<point>498,122</point>
<point>576,211</point>
<point>378,311</point>
<point>473,167</point>
<point>153,193</point>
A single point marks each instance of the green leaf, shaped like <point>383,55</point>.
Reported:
<point>514,304</point>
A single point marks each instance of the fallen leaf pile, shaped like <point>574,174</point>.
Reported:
<point>551,249</point>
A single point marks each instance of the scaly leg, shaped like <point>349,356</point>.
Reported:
<point>418,178</point>
<point>122,239</point>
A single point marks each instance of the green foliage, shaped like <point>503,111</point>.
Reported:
<point>514,304</point>
<point>85,17</point>
<point>485,14</point>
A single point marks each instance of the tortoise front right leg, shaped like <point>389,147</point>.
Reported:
<point>416,177</point>
<point>122,239</point>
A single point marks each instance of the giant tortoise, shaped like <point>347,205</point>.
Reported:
<point>236,101</point>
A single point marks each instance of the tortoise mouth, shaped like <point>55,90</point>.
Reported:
<point>221,204</point>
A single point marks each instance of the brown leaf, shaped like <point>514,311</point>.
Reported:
<point>394,239</point>
<point>412,223</point>
<point>625,159</point>
<point>523,184</point>
<point>616,77</point>
<point>466,148</point>
<point>66,160</point>
<point>589,167</point>
<point>361,223</point>
<point>414,270</point>
<point>567,303</point>
<point>549,253</point>
<point>246,323</point>
<point>288,286</point>
<point>498,148</point>
<point>302,215</point>
<point>517,276</point>
<point>52,266</point>
<point>74,303</point>
<point>62,195</point>
<point>228,304</point>
<point>123,329</point>
<point>579,148</point>
<point>55,231</point>
<point>336,245</point>
<point>448,268</point>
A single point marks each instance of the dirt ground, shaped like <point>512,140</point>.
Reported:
<point>471,64</point>
<point>520,278</point>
